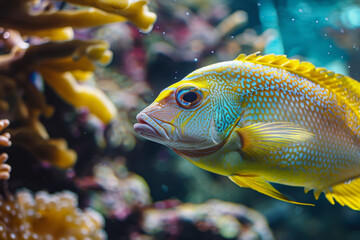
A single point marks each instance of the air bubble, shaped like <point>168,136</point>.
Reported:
<point>164,187</point>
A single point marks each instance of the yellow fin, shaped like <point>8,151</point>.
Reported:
<point>259,184</point>
<point>260,138</point>
<point>306,189</point>
<point>317,193</point>
<point>344,87</point>
<point>346,194</point>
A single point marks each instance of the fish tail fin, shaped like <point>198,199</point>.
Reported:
<point>346,194</point>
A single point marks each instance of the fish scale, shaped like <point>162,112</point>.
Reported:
<point>261,119</point>
<point>296,99</point>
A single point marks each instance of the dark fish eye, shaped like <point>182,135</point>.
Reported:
<point>188,96</point>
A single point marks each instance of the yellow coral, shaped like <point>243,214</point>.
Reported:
<point>54,151</point>
<point>78,95</point>
<point>64,65</point>
<point>57,74</point>
<point>49,217</point>
<point>55,34</point>
<point>20,16</point>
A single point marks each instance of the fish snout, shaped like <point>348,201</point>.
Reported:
<point>150,128</point>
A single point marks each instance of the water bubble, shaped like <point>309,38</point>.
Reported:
<point>259,4</point>
<point>6,35</point>
<point>293,19</point>
<point>298,210</point>
<point>300,10</point>
<point>330,46</point>
<point>164,187</point>
<point>163,33</point>
<point>187,13</point>
<point>231,36</point>
<point>195,59</point>
<point>326,19</point>
<point>342,30</point>
<point>212,51</point>
<point>317,21</point>
<point>348,66</point>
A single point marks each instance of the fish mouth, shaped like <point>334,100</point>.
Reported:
<point>149,128</point>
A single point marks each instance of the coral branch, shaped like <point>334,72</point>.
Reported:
<point>111,6</point>
<point>4,168</point>
<point>4,141</point>
<point>23,19</point>
<point>95,50</point>
<point>4,138</point>
<point>55,34</point>
<point>54,151</point>
<point>76,19</point>
<point>78,95</point>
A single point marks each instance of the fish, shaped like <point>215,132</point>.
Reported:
<point>264,119</point>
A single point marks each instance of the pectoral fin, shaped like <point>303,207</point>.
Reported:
<point>347,194</point>
<point>259,184</point>
<point>260,138</point>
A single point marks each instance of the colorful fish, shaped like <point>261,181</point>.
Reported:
<point>261,119</point>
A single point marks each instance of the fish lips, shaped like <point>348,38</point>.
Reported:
<point>149,128</point>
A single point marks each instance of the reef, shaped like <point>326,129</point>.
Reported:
<point>39,51</point>
<point>124,197</point>
<point>213,219</point>
<point>46,217</point>
<point>73,76</point>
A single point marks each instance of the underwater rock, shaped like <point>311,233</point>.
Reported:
<point>214,219</point>
<point>122,192</point>
<point>124,199</point>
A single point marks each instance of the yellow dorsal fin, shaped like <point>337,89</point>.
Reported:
<point>259,184</point>
<point>344,87</point>
<point>347,194</point>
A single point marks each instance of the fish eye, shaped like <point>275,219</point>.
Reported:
<point>188,97</point>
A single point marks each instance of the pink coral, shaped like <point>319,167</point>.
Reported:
<point>4,141</point>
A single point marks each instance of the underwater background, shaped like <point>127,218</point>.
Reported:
<point>73,76</point>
